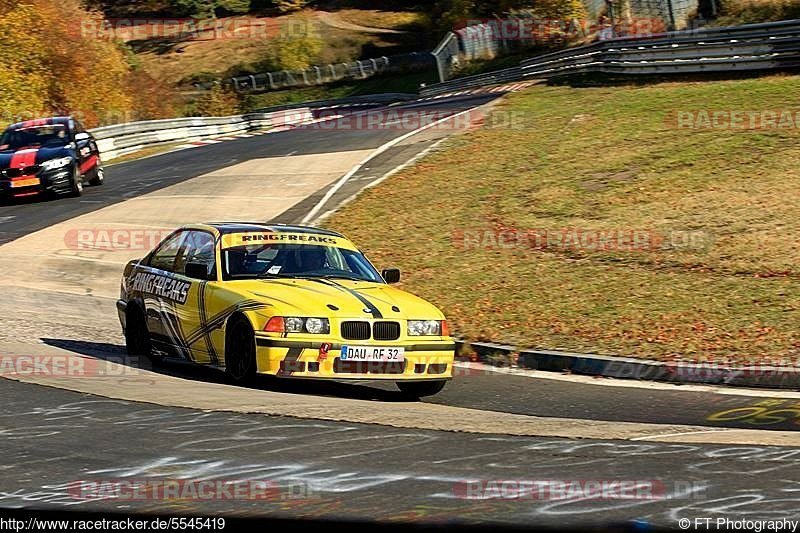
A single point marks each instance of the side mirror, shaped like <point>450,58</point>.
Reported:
<point>391,275</point>
<point>83,136</point>
<point>198,271</point>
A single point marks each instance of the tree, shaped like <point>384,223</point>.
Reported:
<point>297,47</point>
<point>219,101</point>
<point>23,73</point>
<point>233,6</point>
<point>287,6</point>
<point>204,9</point>
<point>53,61</point>
<point>194,8</point>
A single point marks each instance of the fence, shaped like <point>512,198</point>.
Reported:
<point>765,46</point>
<point>491,38</point>
<point>318,75</point>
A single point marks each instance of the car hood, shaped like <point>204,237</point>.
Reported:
<point>31,155</point>
<point>339,298</point>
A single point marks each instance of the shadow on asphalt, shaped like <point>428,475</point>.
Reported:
<point>183,369</point>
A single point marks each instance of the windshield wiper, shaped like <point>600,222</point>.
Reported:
<point>269,275</point>
<point>342,276</point>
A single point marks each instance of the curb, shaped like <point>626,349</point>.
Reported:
<point>774,377</point>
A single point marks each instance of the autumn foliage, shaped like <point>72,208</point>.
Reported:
<point>49,64</point>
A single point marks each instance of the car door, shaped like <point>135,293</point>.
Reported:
<point>85,147</point>
<point>198,248</point>
<point>164,295</point>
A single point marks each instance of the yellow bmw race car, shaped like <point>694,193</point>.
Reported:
<point>288,301</point>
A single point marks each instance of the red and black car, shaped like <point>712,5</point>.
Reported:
<point>48,155</point>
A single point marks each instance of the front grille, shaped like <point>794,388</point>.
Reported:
<point>355,330</point>
<point>372,367</point>
<point>23,171</point>
<point>386,331</point>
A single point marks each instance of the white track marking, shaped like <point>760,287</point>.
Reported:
<point>631,383</point>
<point>397,140</point>
<point>667,435</point>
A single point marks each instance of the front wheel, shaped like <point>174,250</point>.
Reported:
<point>419,389</point>
<point>240,351</point>
<point>76,185</point>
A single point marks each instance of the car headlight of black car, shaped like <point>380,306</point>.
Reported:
<point>54,164</point>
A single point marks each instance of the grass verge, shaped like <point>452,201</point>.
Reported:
<point>716,276</point>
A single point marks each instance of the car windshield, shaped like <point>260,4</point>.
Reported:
<point>34,136</point>
<point>297,261</point>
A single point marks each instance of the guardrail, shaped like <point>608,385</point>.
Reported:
<point>120,139</point>
<point>321,74</point>
<point>764,46</point>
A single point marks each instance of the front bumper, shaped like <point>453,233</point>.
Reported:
<point>24,186</point>
<point>424,360</point>
<point>57,180</point>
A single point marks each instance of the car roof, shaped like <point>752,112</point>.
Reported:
<point>40,122</point>
<point>242,227</point>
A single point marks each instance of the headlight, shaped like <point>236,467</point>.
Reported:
<point>424,327</point>
<point>296,324</point>
<point>293,324</point>
<point>317,325</point>
<point>56,163</point>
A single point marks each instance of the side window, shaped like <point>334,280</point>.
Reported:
<point>198,247</point>
<point>164,257</point>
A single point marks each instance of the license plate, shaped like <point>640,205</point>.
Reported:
<point>25,183</point>
<point>371,353</point>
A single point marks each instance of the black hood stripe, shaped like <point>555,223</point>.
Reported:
<point>376,313</point>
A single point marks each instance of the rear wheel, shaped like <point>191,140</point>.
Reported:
<point>137,337</point>
<point>240,351</point>
<point>99,174</point>
<point>419,389</point>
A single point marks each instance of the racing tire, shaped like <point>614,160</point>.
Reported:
<point>420,389</point>
<point>137,338</point>
<point>76,183</point>
<point>240,351</point>
<point>99,174</point>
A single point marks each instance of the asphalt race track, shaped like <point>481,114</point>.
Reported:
<point>359,450</point>
<point>348,471</point>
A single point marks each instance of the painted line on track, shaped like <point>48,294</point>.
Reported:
<point>602,381</point>
<point>382,148</point>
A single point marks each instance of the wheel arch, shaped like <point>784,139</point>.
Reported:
<point>235,316</point>
<point>137,304</point>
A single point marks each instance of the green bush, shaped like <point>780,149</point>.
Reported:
<point>297,47</point>
<point>734,12</point>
